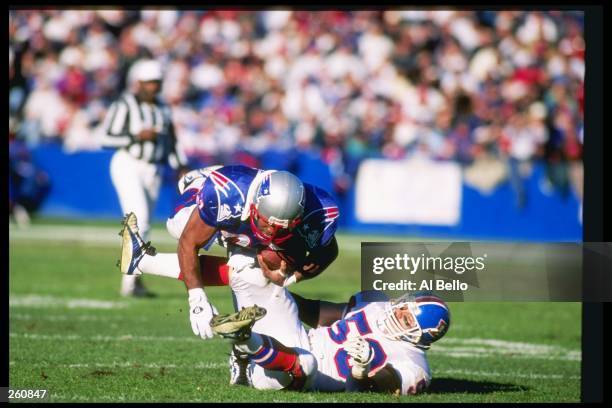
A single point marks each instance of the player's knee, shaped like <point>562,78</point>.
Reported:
<point>308,363</point>
<point>177,223</point>
<point>262,379</point>
<point>172,229</point>
<point>309,367</point>
<point>144,228</point>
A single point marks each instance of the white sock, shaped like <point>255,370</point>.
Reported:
<point>252,345</point>
<point>161,265</point>
<point>128,283</point>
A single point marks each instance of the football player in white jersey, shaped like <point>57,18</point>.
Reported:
<point>379,345</point>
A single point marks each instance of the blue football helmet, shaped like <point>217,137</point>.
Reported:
<point>428,321</point>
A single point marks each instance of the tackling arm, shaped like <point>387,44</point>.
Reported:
<point>361,378</point>
<point>401,379</point>
<point>195,235</point>
<point>317,313</point>
<point>386,380</point>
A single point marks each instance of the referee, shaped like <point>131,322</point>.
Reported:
<point>141,130</point>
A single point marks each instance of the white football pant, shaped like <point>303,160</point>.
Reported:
<point>250,287</point>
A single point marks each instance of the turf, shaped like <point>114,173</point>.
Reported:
<point>144,350</point>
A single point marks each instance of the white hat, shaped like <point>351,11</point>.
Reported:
<point>145,70</point>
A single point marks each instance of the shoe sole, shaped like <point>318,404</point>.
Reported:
<point>232,323</point>
<point>126,249</point>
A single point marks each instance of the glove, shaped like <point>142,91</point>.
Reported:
<point>200,313</point>
<point>360,356</point>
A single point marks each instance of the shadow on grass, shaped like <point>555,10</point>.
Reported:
<point>454,385</point>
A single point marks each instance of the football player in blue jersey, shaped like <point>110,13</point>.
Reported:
<point>245,210</point>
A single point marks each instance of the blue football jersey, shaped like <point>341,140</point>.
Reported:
<point>319,222</point>
<point>223,202</point>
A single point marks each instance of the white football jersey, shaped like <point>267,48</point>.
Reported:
<point>408,361</point>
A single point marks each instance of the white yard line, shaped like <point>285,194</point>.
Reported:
<point>513,345</point>
<point>459,346</point>
<point>534,376</point>
<point>124,364</point>
<point>80,318</point>
<point>86,398</point>
<point>479,353</point>
<point>70,303</point>
<point>120,337</point>
<point>211,365</point>
<point>81,234</point>
<point>461,351</point>
<point>111,398</point>
<point>108,236</point>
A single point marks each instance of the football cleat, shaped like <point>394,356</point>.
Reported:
<point>133,248</point>
<point>239,368</point>
<point>237,326</point>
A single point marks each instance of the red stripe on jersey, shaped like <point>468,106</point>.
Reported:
<point>331,212</point>
<point>220,176</point>
<point>218,182</point>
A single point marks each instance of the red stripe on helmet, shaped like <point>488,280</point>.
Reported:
<point>431,299</point>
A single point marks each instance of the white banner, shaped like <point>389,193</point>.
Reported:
<point>415,191</point>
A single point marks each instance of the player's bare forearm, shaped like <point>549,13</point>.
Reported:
<point>318,260</point>
<point>386,380</point>
<point>359,385</point>
<point>189,264</point>
<point>194,236</point>
<point>317,313</point>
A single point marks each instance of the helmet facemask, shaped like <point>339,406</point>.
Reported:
<point>282,229</point>
<point>394,329</point>
<point>427,320</point>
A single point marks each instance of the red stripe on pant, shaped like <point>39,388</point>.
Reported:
<point>285,359</point>
<point>214,270</point>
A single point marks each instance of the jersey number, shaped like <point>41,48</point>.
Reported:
<point>339,333</point>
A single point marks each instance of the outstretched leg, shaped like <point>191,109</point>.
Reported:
<point>285,367</point>
<point>138,257</point>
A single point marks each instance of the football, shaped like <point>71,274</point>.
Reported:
<point>273,259</point>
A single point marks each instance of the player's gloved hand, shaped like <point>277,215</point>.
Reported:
<point>360,356</point>
<point>200,313</point>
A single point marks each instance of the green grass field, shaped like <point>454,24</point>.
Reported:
<point>71,333</point>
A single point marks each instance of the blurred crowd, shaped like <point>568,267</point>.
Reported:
<point>492,90</point>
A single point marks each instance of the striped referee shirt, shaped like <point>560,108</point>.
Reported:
<point>127,116</point>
